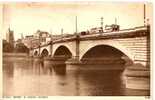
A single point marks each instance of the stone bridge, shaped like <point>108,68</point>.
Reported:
<point>131,45</point>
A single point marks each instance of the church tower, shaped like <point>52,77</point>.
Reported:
<point>10,36</point>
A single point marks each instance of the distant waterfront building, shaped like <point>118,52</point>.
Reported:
<point>17,42</point>
<point>39,38</point>
<point>10,36</point>
<point>44,37</point>
<point>28,41</point>
<point>35,43</point>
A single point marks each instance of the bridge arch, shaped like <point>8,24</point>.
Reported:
<point>44,53</point>
<point>35,53</point>
<point>71,46</point>
<point>62,51</point>
<point>113,44</point>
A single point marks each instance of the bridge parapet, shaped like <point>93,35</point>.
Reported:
<point>132,32</point>
<point>119,34</point>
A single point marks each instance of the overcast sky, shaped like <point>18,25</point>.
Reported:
<point>27,18</point>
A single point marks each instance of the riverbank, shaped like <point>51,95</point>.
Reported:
<point>15,56</point>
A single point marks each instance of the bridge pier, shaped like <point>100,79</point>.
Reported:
<point>54,60</point>
<point>137,74</point>
<point>95,64</point>
<point>137,77</point>
<point>47,62</point>
<point>56,63</point>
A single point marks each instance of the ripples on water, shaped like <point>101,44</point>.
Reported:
<point>27,77</point>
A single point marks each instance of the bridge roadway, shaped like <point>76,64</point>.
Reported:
<point>131,45</point>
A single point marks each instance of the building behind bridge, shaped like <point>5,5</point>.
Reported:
<point>10,37</point>
<point>39,38</point>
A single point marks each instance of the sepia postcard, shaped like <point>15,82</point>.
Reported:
<point>76,48</point>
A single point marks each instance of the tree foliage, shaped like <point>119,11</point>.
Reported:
<point>21,48</point>
<point>7,47</point>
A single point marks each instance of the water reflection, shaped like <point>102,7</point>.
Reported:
<point>37,78</point>
<point>8,70</point>
<point>60,69</point>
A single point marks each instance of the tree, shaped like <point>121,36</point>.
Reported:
<point>21,48</point>
<point>7,47</point>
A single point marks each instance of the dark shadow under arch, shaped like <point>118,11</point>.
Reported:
<point>63,51</point>
<point>61,55</point>
<point>101,52</point>
<point>35,53</point>
<point>44,53</point>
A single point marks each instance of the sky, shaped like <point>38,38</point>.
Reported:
<point>28,17</point>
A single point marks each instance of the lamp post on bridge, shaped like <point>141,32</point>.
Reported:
<point>146,20</point>
<point>39,44</point>
<point>77,40</point>
<point>76,25</point>
<point>62,33</point>
<point>102,23</point>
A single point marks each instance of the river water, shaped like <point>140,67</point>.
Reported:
<point>25,77</point>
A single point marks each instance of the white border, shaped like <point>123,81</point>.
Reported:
<point>86,97</point>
